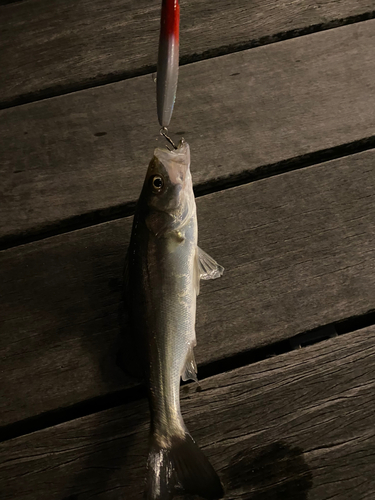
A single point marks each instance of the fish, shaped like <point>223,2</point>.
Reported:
<point>163,269</point>
<point>168,59</point>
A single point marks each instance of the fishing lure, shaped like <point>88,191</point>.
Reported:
<point>167,69</point>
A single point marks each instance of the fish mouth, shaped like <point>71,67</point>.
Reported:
<point>176,162</point>
<point>177,166</point>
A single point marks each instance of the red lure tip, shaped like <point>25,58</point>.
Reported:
<point>170,19</point>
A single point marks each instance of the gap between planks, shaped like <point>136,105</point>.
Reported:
<point>132,394</point>
<point>95,217</point>
<point>131,32</point>
<point>298,253</point>
<point>299,425</point>
<point>80,155</point>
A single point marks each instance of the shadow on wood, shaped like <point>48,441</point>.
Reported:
<point>279,472</point>
<point>120,450</point>
<point>110,454</point>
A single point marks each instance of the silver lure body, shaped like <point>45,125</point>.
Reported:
<point>168,59</point>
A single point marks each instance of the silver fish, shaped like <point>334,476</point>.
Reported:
<point>164,266</point>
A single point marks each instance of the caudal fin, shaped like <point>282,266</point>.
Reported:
<point>182,466</point>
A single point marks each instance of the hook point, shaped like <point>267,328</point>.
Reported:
<point>164,133</point>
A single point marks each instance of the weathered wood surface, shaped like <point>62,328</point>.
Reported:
<point>88,151</point>
<point>297,426</point>
<point>70,44</point>
<point>298,250</point>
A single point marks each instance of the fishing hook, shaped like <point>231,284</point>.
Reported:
<point>164,133</point>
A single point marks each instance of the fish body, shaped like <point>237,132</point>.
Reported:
<point>164,266</point>
<point>168,57</point>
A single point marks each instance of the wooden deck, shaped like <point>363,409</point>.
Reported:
<point>277,102</point>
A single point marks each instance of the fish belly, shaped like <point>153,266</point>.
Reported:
<point>172,282</point>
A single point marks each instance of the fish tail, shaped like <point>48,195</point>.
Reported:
<point>181,466</point>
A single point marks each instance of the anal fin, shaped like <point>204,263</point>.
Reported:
<point>190,369</point>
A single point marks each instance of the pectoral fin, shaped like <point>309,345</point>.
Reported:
<point>209,269</point>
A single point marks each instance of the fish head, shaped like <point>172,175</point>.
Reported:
<point>168,190</point>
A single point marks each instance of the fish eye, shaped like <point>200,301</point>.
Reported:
<point>157,183</point>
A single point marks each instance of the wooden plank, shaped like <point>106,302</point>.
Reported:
<point>62,46</point>
<point>300,425</point>
<point>87,152</point>
<point>298,250</point>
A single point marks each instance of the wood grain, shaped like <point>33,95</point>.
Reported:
<point>298,251</point>
<point>298,426</point>
<point>87,152</point>
<point>56,46</point>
